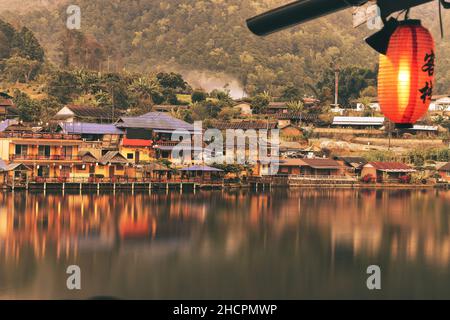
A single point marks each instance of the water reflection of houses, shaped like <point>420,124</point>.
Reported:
<point>65,226</point>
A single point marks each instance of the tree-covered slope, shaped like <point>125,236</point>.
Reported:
<point>210,35</point>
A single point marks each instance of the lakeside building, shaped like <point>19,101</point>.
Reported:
<point>385,171</point>
<point>47,154</point>
<point>97,138</point>
<point>354,164</point>
<point>149,137</point>
<point>304,167</point>
<point>444,172</point>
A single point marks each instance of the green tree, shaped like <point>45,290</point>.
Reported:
<point>259,103</point>
<point>292,93</point>
<point>198,96</point>
<point>63,85</point>
<point>171,81</point>
<point>28,109</point>
<point>352,81</point>
<point>18,69</point>
<point>295,106</point>
<point>26,45</point>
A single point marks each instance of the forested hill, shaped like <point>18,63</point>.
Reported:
<point>207,36</point>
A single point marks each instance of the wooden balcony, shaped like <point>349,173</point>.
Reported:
<point>26,157</point>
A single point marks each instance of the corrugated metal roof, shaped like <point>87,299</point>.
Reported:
<point>245,125</point>
<point>155,120</point>
<point>89,128</point>
<point>358,121</point>
<point>418,127</point>
<point>6,123</point>
<point>88,112</point>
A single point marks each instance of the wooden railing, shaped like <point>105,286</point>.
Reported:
<point>30,135</point>
<point>322,177</point>
<point>44,157</point>
<point>95,180</point>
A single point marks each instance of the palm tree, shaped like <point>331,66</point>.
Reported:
<point>144,88</point>
<point>295,106</point>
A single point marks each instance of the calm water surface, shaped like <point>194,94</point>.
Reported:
<point>287,244</point>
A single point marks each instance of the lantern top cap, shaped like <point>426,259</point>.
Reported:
<point>410,22</point>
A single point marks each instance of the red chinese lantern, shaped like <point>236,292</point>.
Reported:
<point>405,80</point>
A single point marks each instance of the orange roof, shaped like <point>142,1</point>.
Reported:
<point>136,142</point>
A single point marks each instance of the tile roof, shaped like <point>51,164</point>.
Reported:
<point>245,125</point>
<point>12,166</point>
<point>114,157</point>
<point>202,168</point>
<point>297,115</point>
<point>89,128</point>
<point>277,105</point>
<point>154,120</point>
<point>87,157</point>
<point>391,166</point>
<point>6,102</point>
<point>322,163</point>
<point>292,162</point>
<point>353,161</point>
<point>445,167</point>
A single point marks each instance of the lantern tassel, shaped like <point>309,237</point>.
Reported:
<point>440,19</point>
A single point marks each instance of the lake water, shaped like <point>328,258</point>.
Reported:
<point>284,244</point>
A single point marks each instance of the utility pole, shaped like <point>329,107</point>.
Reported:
<point>336,86</point>
<point>113,103</point>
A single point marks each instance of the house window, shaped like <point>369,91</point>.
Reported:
<point>66,152</point>
<point>130,155</point>
<point>119,167</point>
<point>44,151</point>
<point>43,171</point>
<point>21,150</point>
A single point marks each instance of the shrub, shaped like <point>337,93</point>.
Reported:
<point>405,179</point>
<point>368,178</point>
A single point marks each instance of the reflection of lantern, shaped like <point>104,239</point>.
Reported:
<point>405,80</point>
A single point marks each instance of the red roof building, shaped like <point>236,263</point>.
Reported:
<point>386,171</point>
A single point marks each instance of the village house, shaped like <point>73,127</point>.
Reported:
<point>305,167</point>
<point>98,138</point>
<point>149,137</point>
<point>277,107</point>
<point>290,132</point>
<point>444,172</point>
<point>440,103</point>
<point>77,113</point>
<point>358,122</point>
<point>48,155</point>
<point>244,107</point>
<point>13,173</point>
<point>7,108</point>
<point>377,171</point>
<point>354,164</point>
